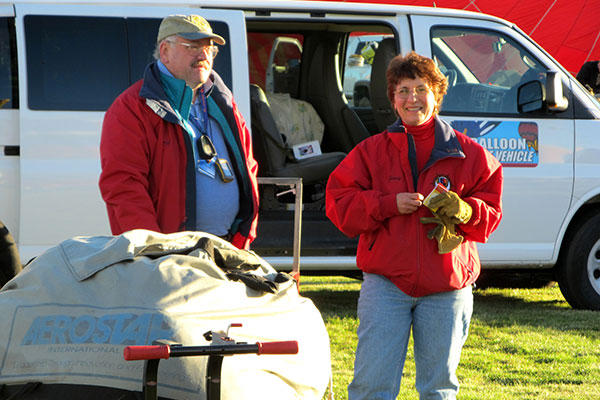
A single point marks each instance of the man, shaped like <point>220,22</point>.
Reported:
<point>175,150</point>
<point>589,76</point>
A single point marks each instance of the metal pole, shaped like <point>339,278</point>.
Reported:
<point>296,185</point>
<point>297,229</point>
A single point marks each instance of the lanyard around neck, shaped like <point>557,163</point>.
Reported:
<point>205,128</point>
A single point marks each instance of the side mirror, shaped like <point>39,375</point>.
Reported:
<point>530,97</point>
<point>555,101</point>
<point>356,60</point>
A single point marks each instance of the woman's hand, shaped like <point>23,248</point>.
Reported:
<point>408,202</point>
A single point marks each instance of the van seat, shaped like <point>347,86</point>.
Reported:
<point>383,112</point>
<point>344,129</point>
<point>296,119</point>
<point>272,153</point>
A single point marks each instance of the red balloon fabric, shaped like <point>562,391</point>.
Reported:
<point>568,29</point>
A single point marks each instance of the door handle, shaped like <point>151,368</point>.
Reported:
<point>12,150</point>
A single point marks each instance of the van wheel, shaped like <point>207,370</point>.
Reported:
<point>579,271</point>
<point>10,263</point>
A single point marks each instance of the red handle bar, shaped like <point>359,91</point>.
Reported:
<point>286,347</point>
<point>131,353</point>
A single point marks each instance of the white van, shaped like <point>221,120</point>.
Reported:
<point>63,63</point>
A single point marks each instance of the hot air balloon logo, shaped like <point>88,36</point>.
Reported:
<point>529,132</point>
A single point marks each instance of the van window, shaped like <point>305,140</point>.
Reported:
<point>366,57</point>
<point>224,61</point>
<point>84,63</point>
<point>9,89</point>
<point>75,63</point>
<point>360,51</point>
<point>141,35</point>
<point>274,60</point>
<point>484,70</point>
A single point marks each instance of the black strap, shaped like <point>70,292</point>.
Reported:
<point>412,159</point>
<point>256,106</point>
<point>287,151</point>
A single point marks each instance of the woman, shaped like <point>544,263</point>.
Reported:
<point>418,265</point>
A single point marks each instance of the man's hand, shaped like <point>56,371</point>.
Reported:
<point>450,205</point>
<point>408,202</point>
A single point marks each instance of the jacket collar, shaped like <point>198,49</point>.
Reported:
<point>397,127</point>
<point>169,97</point>
<point>179,95</point>
<point>154,94</point>
<point>446,142</point>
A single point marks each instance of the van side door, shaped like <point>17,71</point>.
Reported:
<point>74,60</point>
<point>9,122</point>
<point>486,62</point>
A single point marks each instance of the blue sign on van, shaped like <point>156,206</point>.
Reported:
<point>513,143</point>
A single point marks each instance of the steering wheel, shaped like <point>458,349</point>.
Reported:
<point>452,77</point>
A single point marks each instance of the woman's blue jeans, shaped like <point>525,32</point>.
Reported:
<point>440,325</point>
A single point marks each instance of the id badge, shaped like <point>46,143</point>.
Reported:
<point>225,171</point>
<point>207,168</point>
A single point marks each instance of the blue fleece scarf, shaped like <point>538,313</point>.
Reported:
<point>178,93</point>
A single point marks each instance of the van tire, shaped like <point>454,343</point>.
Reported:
<point>10,262</point>
<point>578,273</point>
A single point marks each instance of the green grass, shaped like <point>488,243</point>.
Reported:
<point>524,343</point>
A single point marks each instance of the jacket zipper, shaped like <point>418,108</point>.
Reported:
<point>418,261</point>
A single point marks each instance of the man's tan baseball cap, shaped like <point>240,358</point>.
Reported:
<point>191,27</point>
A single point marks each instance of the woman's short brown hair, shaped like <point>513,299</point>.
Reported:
<point>411,66</point>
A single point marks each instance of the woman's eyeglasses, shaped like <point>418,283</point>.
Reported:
<point>419,91</point>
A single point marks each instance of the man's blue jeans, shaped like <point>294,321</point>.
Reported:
<point>440,325</point>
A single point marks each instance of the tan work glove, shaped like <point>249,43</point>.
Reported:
<point>450,205</point>
<point>444,233</point>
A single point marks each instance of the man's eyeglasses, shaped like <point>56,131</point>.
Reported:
<point>206,148</point>
<point>404,93</point>
<point>195,50</point>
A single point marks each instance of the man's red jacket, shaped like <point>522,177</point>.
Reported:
<point>148,177</point>
<point>361,200</point>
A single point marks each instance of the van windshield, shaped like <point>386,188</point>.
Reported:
<point>484,69</point>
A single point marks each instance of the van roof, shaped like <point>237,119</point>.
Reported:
<point>320,8</point>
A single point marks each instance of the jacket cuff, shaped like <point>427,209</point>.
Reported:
<point>389,207</point>
<point>475,216</point>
